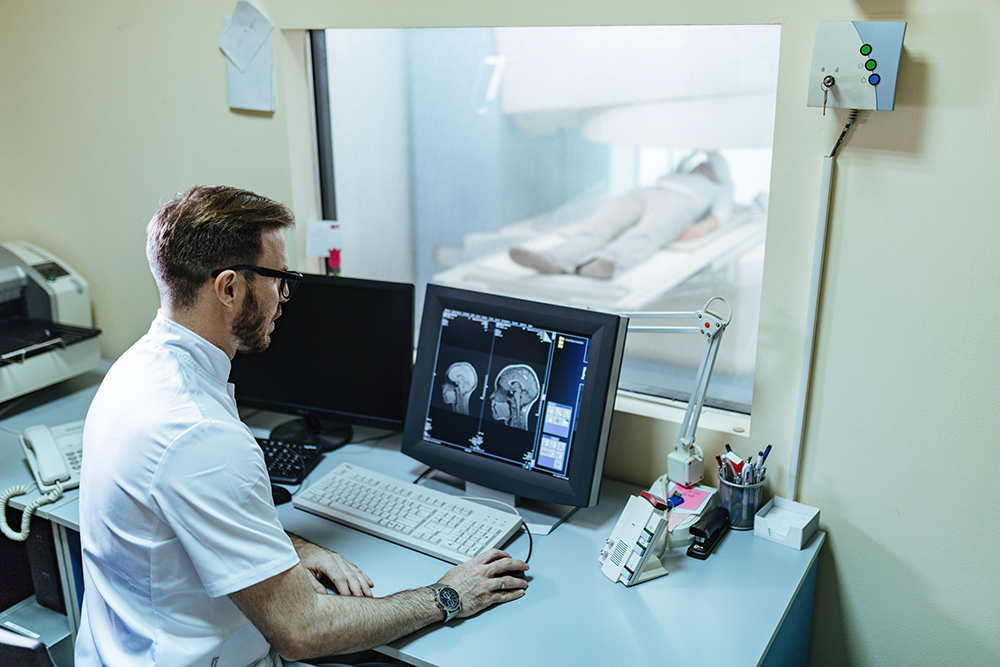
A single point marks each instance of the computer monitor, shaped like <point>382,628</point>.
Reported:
<point>514,396</point>
<point>340,354</point>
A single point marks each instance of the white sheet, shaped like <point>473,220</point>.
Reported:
<point>497,273</point>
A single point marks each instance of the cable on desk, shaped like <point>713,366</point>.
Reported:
<point>531,544</point>
<point>13,403</point>
<point>44,499</point>
<point>375,438</point>
<point>423,474</point>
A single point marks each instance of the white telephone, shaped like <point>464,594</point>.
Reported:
<point>54,456</point>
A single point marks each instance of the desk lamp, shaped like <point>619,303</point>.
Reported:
<point>685,465</point>
<point>628,556</point>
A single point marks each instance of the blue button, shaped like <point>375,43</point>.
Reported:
<point>874,79</point>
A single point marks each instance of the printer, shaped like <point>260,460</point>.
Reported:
<point>46,332</point>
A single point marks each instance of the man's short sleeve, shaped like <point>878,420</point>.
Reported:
<point>213,491</point>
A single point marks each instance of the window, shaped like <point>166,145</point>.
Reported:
<point>452,146</point>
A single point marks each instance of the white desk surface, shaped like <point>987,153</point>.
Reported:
<point>722,611</point>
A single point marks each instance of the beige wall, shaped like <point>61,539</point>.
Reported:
<point>108,108</point>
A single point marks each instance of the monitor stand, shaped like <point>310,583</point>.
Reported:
<point>328,436</point>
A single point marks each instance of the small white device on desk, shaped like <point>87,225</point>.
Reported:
<point>46,333</point>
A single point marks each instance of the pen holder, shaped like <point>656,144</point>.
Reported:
<point>742,501</point>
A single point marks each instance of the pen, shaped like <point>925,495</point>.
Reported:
<point>767,450</point>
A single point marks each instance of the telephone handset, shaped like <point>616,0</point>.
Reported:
<point>54,456</point>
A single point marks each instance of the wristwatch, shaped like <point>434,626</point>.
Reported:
<point>448,600</point>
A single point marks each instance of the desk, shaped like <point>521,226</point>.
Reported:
<point>750,598</point>
<point>750,603</point>
<point>60,403</point>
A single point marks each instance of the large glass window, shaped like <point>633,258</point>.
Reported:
<point>509,160</point>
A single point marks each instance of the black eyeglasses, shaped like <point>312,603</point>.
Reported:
<point>289,279</point>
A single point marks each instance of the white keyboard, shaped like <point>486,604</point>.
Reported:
<point>447,527</point>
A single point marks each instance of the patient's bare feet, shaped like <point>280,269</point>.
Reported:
<point>599,268</point>
<point>542,262</point>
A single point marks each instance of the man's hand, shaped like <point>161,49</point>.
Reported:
<point>347,578</point>
<point>479,585</point>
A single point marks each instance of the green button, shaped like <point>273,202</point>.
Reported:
<point>866,49</point>
<point>870,65</point>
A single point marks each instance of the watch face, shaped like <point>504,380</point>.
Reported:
<point>449,598</point>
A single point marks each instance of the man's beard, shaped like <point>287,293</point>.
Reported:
<point>250,329</point>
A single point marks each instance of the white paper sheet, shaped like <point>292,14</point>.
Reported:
<point>244,34</point>
<point>252,88</point>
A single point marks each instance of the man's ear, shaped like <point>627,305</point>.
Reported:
<point>225,287</point>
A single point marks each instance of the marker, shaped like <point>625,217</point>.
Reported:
<point>728,448</point>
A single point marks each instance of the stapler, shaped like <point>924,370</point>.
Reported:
<point>707,532</point>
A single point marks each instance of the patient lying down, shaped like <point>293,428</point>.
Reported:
<point>680,206</point>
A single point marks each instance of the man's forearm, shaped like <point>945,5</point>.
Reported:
<point>300,623</point>
<point>358,624</point>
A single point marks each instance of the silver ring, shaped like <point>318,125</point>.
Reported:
<point>503,584</point>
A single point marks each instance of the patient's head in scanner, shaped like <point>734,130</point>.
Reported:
<point>683,205</point>
<point>461,379</point>
<point>514,392</point>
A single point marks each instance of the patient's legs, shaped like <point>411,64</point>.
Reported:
<point>598,230</point>
<point>666,216</point>
<point>624,232</point>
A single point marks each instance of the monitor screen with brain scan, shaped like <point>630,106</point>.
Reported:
<point>514,395</point>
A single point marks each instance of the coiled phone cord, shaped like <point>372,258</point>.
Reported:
<point>44,499</point>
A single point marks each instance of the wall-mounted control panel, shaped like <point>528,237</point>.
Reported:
<point>855,64</point>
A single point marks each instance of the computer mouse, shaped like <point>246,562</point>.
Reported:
<point>280,494</point>
<point>513,573</point>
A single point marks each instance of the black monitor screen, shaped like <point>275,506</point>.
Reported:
<point>513,394</point>
<point>342,350</point>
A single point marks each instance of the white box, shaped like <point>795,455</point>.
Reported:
<point>786,522</point>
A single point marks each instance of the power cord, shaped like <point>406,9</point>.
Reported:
<point>44,499</point>
<point>851,117</point>
<point>423,474</point>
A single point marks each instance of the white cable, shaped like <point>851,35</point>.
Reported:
<point>43,499</point>
<point>498,502</point>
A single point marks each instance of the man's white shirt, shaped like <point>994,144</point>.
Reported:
<point>175,511</point>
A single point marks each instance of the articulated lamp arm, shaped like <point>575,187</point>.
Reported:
<point>685,465</point>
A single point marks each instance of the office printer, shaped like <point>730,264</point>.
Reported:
<point>45,325</point>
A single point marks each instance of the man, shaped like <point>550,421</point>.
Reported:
<point>631,228</point>
<point>185,562</point>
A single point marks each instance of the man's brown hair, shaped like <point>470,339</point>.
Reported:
<point>207,228</point>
